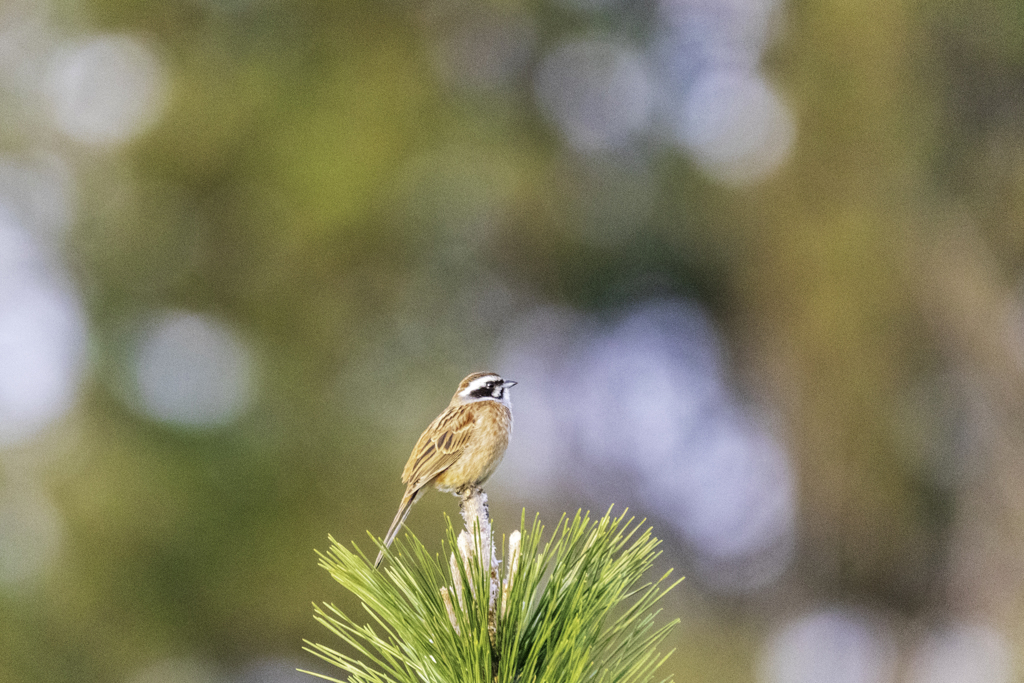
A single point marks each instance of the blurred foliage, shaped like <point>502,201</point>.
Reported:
<point>374,228</point>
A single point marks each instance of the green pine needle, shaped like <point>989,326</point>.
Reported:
<point>577,609</point>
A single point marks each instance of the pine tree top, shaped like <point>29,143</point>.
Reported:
<point>572,608</point>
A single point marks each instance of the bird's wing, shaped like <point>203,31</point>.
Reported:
<point>439,446</point>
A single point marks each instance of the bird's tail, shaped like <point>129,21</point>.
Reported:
<point>403,511</point>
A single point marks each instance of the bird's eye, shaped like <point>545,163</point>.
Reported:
<point>490,385</point>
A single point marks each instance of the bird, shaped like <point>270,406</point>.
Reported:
<point>462,447</point>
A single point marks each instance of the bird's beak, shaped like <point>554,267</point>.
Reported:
<point>509,383</point>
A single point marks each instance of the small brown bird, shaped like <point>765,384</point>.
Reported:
<point>461,447</point>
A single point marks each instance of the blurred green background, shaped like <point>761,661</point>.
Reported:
<point>756,266</point>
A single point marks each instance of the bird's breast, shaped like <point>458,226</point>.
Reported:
<point>484,450</point>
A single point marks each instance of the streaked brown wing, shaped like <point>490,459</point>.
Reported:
<point>439,446</point>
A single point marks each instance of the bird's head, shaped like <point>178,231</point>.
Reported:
<point>484,386</point>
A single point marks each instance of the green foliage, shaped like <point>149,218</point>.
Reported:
<point>576,609</point>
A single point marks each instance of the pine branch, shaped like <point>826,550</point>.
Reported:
<point>570,608</point>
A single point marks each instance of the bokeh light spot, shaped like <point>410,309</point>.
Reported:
<point>963,653</point>
<point>40,191</point>
<point>106,90</point>
<point>42,337</point>
<point>837,645</point>
<point>598,93</point>
<point>193,370</point>
<point>736,126</point>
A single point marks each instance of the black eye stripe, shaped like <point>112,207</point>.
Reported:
<point>491,387</point>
